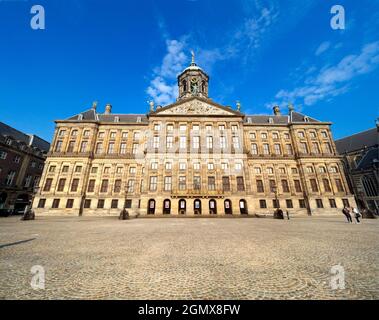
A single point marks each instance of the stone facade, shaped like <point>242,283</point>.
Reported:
<point>22,159</point>
<point>192,157</point>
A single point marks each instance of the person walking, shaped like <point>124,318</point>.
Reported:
<point>357,215</point>
<point>288,215</point>
<point>347,214</point>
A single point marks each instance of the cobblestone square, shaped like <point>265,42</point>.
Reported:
<point>103,258</point>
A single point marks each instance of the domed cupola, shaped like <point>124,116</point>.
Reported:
<point>193,82</point>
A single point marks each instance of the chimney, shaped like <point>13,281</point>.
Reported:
<point>108,109</point>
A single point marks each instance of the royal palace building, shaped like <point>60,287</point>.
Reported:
<point>193,157</point>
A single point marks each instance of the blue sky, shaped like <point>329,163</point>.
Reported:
<point>127,52</point>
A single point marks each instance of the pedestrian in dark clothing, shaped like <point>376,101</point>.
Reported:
<point>347,214</point>
<point>288,215</point>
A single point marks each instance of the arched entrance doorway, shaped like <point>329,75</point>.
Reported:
<point>197,207</point>
<point>182,206</point>
<point>151,209</point>
<point>167,207</point>
<point>243,207</point>
<point>228,207</point>
<point>212,207</point>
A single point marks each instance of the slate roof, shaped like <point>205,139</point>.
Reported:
<point>28,139</point>
<point>293,117</point>
<point>92,115</point>
<point>365,139</point>
<point>371,157</point>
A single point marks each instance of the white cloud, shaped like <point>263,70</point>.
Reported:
<point>163,88</point>
<point>332,81</point>
<point>322,48</point>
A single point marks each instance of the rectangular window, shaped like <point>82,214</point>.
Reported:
<point>260,187</point>
<point>303,147</point>
<point>104,186</point>
<point>236,143</point>
<point>153,183</point>
<point>332,203</point>
<point>70,203</point>
<point>197,183</point>
<point>196,166</point>
<point>71,146</point>
<point>52,168</point>
<point>135,148</point>
<point>83,147</point>
<point>302,204</point>
<point>41,203</point>
<point>47,186</point>
<point>128,204</point>
<point>183,142</point>
<point>131,184</point>
<point>182,166</point>
<point>78,169</point>
<point>58,146</point>
<point>276,203</point>
<point>114,204</point>
<point>254,149</point>
<point>319,203</point>
<point>263,204</point>
<point>225,183</point>
<point>223,142</point>
<point>314,186</point>
<point>156,142</point>
<point>326,185</point>
<point>182,183</point>
<point>91,185</point>
<point>346,203</point>
<point>315,148</point>
<point>240,184</point>
<point>298,186</point>
<point>123,148</point>
<point>196,142</point>
<point>55,204</point>
<point>87,204</point>
<point>94,170</point>
<point>278,149</point>
<point>210,142</point>
<point>285,186</point>
<point>339,185</point>
<point>74,185</point>
<point>111,148</point>
<point>167,183</point>
<point>211,183</point>
<point>154,166</point>
<point>169,142</point>
<point>273,186</point>
<point>100,204</point>
<point>117,186</point>
<point>266,149</point>
<point>289,149</point>
<point>99,148</point>
<point>224,166</point>
<point>61,185</point>
<point>168,166</point>
<point>211,166</point>
<point>289,203</point>
<point>327,148</point>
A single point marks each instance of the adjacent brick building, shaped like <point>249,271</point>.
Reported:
<point>22,158</point>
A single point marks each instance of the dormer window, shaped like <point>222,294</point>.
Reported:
<point>116,119</point>
<point>80,117</point>
<point>139,119</point>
